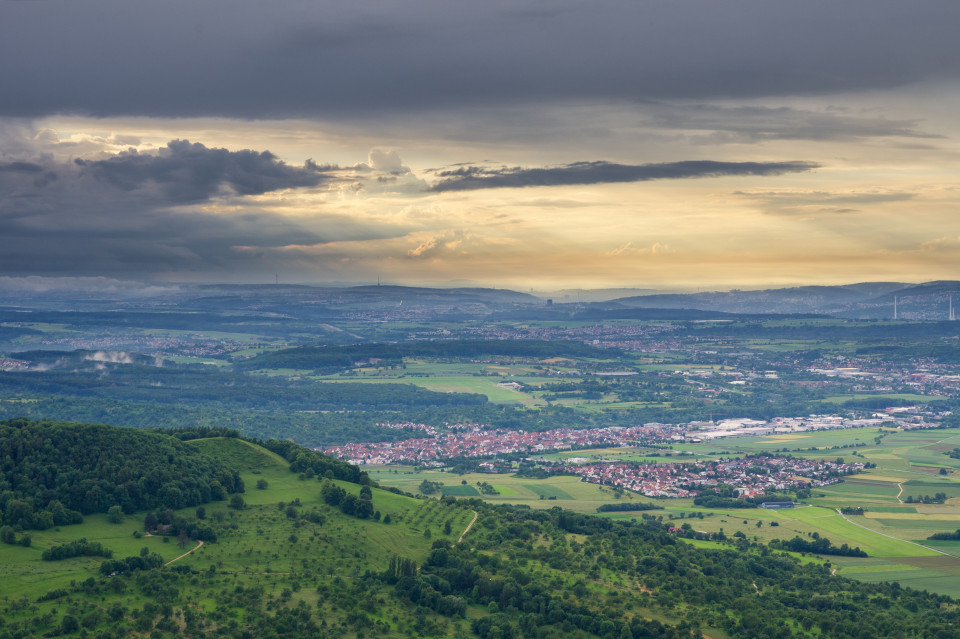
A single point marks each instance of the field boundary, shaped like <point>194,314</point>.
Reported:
<point>891,536</point>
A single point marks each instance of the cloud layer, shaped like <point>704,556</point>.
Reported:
<point>183,208</point>
<point>472,177</point>
<point>190,172</point>
<point>243,58</point>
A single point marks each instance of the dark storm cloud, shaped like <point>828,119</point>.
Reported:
<point>253,59</point>
<point>188,172</point>
<point>472,177</point>
<point>140,214</point>
<point>21,167</point>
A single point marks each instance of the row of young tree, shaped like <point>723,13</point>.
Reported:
<point>819,545</point>
<point>78,548</point>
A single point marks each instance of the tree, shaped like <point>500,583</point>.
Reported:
<point>237,502</point>
<point>262,484</point>
<point>150,522</point>
<point>69,624</point>
<point>183,538</point>
<point>115,515</point>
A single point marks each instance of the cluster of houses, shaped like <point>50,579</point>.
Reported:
<point>12,364</point>
<point>752,476</point>
<point>920,376</point>
<point>480,441</point>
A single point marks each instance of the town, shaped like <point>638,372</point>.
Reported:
<point>752,476</point>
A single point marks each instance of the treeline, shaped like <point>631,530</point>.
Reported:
<point>224,389</point>
<point>712,500</point>
<point>175,320</point>
<point>331,359</point>
<point>79,548</point>
<point>938,498</point>
<point>627,507</point>
<point>52,473</point>
<point>726,496</point>
<point>946,536</point>
<point>310,463</point>
<point>819,545</point>
<point>309,428</point>
<point>144,561</point>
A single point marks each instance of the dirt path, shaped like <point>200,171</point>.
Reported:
<point>469,526</point>
<point>900,493</point>
<point>199,543</point>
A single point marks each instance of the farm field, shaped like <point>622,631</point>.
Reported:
<point>565,491</point>
<point>892,532</point>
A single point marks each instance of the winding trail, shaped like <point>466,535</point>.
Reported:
<point>877,532</point>
<point>465,530</point>
<point>900,493</point>
<point>199,543</point>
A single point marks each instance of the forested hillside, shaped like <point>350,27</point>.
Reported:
<point>53,472</point>
<point>287,559</point>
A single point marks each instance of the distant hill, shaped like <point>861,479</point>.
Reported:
<point>584,295</point>
<point>275,309</point>
<point>867,300</point>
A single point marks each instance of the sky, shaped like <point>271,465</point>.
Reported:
<point>556,144</point>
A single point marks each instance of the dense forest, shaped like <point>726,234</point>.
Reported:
<point>52,473</point>
<point>214,388</point>
<point>330,359</point>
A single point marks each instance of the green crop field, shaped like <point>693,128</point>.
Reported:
<point>548,491</point>
<point>460,491</point>
<point>575,494</point>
